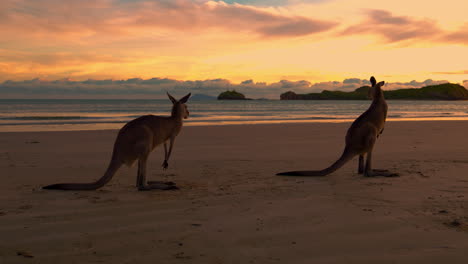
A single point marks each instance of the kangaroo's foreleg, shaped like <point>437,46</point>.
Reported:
<point>165,164</point>
<point>167,154</point>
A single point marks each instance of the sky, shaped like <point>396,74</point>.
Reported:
<point>264,47</point>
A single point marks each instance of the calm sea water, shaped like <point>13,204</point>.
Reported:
<point>67,114</point>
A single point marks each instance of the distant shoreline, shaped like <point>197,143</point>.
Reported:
<point>441,92</point>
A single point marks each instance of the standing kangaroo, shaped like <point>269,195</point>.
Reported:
<point>135,141</point>
<point>360,138</point>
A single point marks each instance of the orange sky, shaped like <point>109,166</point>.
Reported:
<point>267,41</point>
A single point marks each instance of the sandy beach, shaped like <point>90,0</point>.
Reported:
<point>231,208</point>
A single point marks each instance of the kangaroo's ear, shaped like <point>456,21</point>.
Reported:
<point>185,98</point>
<point>373,81</point>
<point>381,83</point>
<point>172,98</point>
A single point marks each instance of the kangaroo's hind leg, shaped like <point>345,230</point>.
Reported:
<point>368,171</point>
<point>361,164</point>
<point>368,166</point>
<point>141,174</point>
<point>141,179</point>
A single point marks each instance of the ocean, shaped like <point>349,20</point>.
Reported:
<point>94,114</point>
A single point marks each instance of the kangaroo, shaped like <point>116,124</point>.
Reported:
<point>135,141</point>
<point>360,138</point>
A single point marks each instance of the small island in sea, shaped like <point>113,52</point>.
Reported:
<point>446,91</point>
<point>231,95</point>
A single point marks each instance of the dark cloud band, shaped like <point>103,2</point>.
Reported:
<point>157,87</point>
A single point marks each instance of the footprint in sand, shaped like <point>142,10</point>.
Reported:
<point>9,160</point>
<point>25,207</point>
<point>24,254</point>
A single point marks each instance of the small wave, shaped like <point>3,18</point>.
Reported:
<point>439,116</point>
<point>137,116</point>
<point>220,120</point>
<point>61,123</point>
<point>51,118</point>
<point>26,118</point>
<point>317,118</point>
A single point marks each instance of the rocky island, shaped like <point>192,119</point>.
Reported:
<point>231,95</point>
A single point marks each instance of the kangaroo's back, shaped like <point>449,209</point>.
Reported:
<point>160,128</point>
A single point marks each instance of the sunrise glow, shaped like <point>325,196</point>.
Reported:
<point>266,41</point>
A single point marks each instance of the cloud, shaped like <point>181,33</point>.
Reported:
<point>352,84</point>
<point>394,28</point>
<point>346,85</point>
<point>258,2</point>
<point>397,29</point>
<point>46,17</point>
<point>20,64</point>
<point>262,21</point>
<point>88,19</point>
<point>296,27</point>
<point>459,36</point>
<point>141,88</point>
<point>453,72</point>
<point>134,87</point>
<point>157,87</point>
<point>413,84</point>
<point>270,2</point>
<point>57,58</point>
<point>353,80</point>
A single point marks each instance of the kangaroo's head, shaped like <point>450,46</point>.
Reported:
<point>179,108</point>
<point>376,90</point>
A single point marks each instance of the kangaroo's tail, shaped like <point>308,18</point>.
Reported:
<point>111,170</point>
<point>345,157</point>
